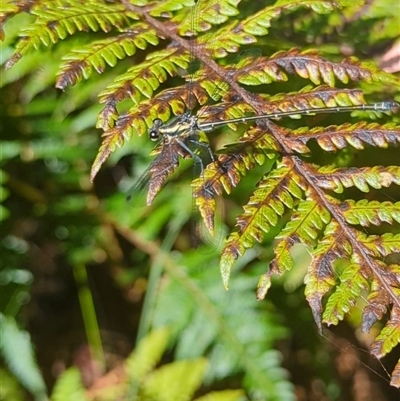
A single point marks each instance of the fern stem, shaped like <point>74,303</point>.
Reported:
<point>89,315</point>
<point>156,270</point>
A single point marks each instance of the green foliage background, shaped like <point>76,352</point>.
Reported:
<point>88,275</point>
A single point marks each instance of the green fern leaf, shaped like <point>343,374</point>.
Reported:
<point>336,179</point>
<point>141,81</point>
<point>389,337</point>
<point>366,213</point>
<point>334,138</point>
<point>321,7</point>
<point>207,14</point>
<point>259,23</point>
<point>309,65</point>
<point>307,222</point>
<point>62,18</point>
<point>304,226</point>
<point>309,97</point>
<point>352,282</point>
<point>320,277</point>
<point>80,62</point>
<point>383,245</point>
<point>146,355</point>
<point>228,39</point>
<point>225,395</point>
<point>162,385</point>
<point>165,7</point>
<point>16,349</point>
<point>226,172</point>
<point>69,387</point>
<point>274,192</point>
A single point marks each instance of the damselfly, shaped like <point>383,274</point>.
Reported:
<point>185,137</point>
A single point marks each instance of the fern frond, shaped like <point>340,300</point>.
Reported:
<point>320,277</point>
<point>69,386</point>
<point>228,40</point>
<point>336,179</point>
<point>162,384</point>
<point>80,62</point>
<point>310,65</point>
<point>383,245</point>
<point>146,356</point>
<point>305,224</point>
<point>365,213</point>
<point>140,82</point>
<point>259,23</point>
<point>275,192</point>
<point>165,8</point>
<point>309,98</point>
<point>224,395</point>
<point>361,271</point>
<point>346,293</point>
<point>17,351</point>
<point>226,172</point>
<point>62,18</point>
<point>207,14</point>
<point>334,138</point>
<point>388,339</point>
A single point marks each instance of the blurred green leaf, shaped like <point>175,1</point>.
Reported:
<point>17,350</point>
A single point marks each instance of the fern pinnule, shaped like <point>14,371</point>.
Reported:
<point>310,65</point>
<point>320,277</point>
<point>381,346</point>
<point>147,355</point>
<point>351,282</point>
<point>275,192</point>
<point>381,245</point>
<point>140,82</point>
<point>333,138</point>
<point>80,63</point>
<point>363,178</point>
<point>62,18</point>
<point>389,338</point>
<point>366,213</point>
<point>258,23</point>
<point>69,386</point>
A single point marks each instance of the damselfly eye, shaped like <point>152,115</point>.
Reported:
<point>157,123</point>
<point>154,135</point>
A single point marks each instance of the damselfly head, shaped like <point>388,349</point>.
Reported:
<point>393,106</point>
<point>154,132</point>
